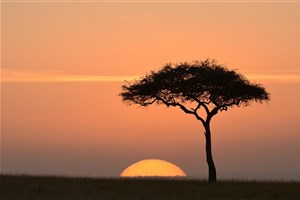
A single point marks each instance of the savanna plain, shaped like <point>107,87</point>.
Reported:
<point>55,187</point>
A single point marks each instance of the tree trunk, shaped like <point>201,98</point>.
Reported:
<point>212,174</point>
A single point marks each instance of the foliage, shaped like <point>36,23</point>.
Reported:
<point>206,83</point>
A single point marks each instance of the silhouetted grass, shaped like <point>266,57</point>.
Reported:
<point>52,187</point>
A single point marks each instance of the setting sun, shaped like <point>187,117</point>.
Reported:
<point>153,167</point>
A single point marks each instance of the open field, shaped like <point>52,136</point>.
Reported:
<point>47,187</point>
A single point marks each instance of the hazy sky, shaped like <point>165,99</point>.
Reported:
<point>62,65</point>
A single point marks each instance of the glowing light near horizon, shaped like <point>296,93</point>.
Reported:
<point>59,76</point>
<point>153,168</point>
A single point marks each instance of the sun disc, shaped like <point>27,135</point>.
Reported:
<point>153,168</point>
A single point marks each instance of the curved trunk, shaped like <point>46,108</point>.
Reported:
<point>212,173</point>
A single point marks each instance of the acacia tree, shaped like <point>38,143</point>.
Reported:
<point>201,85</point>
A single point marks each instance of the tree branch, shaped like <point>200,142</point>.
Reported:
<point>197,108</point>
<point>213,112</point>
<point>225,106</point>
<point>200,103</point>
<point>149,103</point>
<point>182,107</point>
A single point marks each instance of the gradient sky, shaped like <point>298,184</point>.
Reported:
<point>62,65</point>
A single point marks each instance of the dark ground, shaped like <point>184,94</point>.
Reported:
<point>47,187</point>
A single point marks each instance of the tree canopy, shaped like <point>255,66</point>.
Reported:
<point>204,82</point>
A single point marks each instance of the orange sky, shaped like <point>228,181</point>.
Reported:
<point>62,65</point>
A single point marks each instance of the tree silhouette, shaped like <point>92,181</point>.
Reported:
<point>201,85</point>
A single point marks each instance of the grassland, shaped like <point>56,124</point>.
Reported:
<point>47,187</point>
